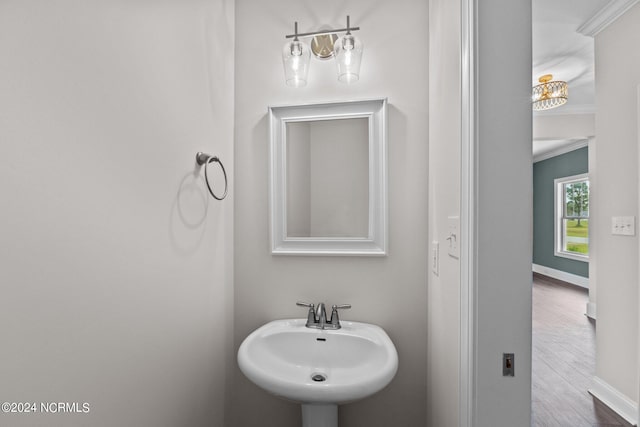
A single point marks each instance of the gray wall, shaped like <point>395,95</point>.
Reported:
<point>503,236</point>
<point>389,291</point>
<point>116,266</point>
<point>544,172</point>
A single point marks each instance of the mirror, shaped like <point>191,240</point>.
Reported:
<point>328,198</point>
<point>328,178</point>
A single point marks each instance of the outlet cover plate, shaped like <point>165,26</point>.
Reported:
<point>623,225</point>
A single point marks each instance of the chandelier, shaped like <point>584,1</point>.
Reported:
<point>549,94</point>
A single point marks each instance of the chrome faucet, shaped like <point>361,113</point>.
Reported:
<point>321,316</point>
<point>317,317</point>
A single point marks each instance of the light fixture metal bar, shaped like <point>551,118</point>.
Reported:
<point>322,33</point>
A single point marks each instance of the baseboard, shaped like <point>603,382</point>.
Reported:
<point>574,279</point>
<point>591,310</point>
<point>618,402</point>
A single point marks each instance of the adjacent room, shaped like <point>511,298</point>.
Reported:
<point>571,367</point>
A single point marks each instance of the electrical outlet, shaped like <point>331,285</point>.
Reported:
<point>508,365</point>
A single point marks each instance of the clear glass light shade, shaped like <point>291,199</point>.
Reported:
<point>295,58</point>
<point>549,94</point>
<point>348,54</point>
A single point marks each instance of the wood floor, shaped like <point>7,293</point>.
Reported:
<point>563,359</point>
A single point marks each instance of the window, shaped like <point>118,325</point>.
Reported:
<point>572,217</point>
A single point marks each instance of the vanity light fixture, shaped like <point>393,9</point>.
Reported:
<point>549,94</point>
<point>325,44</point>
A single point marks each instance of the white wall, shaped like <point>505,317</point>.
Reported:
<point>500,291</point>
<point>560,126</point>
<point>591,310</point>
<point>340,178</point>
<point>443,324</point>
<point>116,267</point>
<point>615,193</point>
<point>502,209</point>
<point>298,179</point>
<point>328,178</point>
<point>389,291</point>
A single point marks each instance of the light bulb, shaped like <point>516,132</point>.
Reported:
<point>348,53</point>
<point>296,48</point>
<point>348,42</point>
<point>295,59</point>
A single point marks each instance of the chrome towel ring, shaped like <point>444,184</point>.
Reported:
<point>205,159</point>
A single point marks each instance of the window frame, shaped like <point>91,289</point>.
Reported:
<point>559,216</point>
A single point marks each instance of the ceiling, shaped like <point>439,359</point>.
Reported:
<point>560,50</point>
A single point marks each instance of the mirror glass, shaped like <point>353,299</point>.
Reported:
<point>328,178</point>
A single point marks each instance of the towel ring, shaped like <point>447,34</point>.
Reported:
<point>205,159</point>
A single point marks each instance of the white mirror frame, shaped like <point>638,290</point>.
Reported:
<point>376,242</point>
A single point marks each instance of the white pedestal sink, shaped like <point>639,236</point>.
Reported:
<point>320,368</point>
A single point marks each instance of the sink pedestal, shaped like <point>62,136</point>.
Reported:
<point>319,415</point>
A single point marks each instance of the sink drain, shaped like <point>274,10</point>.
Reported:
<point>318,377</point>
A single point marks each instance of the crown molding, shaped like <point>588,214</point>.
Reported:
<point>605,17</point>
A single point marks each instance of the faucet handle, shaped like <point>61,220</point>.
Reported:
<point>305,304</point>
<point>311,314</point>
<point>335,320</point>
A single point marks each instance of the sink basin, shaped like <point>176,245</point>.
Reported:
<point>314,366</point>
